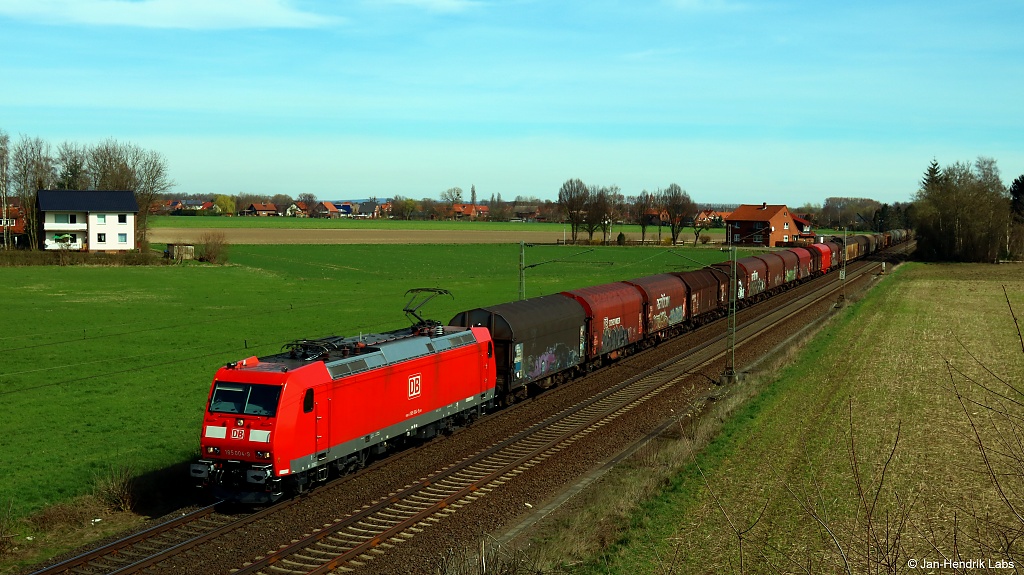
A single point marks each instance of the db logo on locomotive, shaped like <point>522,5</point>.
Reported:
<point>415,385</point>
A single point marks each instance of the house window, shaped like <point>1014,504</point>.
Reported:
<point>785,238</point>
<point>758,225</point>
<point>65,218</point>
<point>757,239</point>
<point>101,238</point>
<point>785,226</point>
<point>122,218</point>
<point>122,238</point>
<point>101,218</point>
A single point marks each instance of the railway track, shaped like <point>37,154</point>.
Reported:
<point>352,541</point>
<point>140,551</point>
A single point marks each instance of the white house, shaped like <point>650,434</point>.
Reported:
<point>88,220</point>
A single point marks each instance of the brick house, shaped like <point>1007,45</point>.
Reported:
<point>87,220</point>
<point>469,211</point>
<point>12,222</point>
<point>763,225</point>
<point>325,210</point>
<point>708,217</point>
<point>260,210</point>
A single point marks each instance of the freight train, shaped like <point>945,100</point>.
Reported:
<point>281,423</point>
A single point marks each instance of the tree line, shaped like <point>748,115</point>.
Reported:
<point>594,208</point>
<point>30,164</point>
<point>964,212</point>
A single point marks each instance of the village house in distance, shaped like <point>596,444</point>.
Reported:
<point>88,220</point>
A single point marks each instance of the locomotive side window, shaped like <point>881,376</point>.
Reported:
<point>490,349</point>
<point>307,401</point>
<point>247,398</point>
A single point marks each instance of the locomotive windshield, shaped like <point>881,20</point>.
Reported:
<point>247,398</point>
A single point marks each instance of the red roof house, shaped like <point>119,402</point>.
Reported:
<point>761,225</point>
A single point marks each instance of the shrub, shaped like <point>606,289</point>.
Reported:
<point>704,238</point>
<point>6,528</point>
<point>213,248</point>
<point>115,488</point>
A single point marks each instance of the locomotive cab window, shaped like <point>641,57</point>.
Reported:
<point>307,401</point>
<point>245,398</point>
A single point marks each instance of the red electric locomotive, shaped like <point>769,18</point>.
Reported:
<point>279,423</point>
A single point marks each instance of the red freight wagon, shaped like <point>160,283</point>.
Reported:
<point>776,275</point>
<point>751,274</point>
<point>614,316</point>
<point>804,264</point>
<point>664,302</point>
<point>790,265</point>
<point>708,292</point>
<point>824,255</point>
<point>284,420</point>
<point>838,253</point>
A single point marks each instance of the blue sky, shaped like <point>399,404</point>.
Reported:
<point>736,101</point>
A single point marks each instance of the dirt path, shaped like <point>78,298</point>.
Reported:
<point>274,236</point>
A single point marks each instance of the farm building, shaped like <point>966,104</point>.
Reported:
<point>764,225</point>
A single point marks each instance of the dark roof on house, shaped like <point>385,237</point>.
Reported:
<point>87,201</point>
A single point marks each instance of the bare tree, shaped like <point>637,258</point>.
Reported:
<point>698,229</point>
<point>572,198</point>
<point>72,167</point>
<point>452,196</point>
<point>116,166</point>
<point>151,180</point>
<point>640,205</point>
<point>109,167</point>
<point>596,212</point>
<point>282,201</point>
<point>308,199</point>
<point>32,169</point>
<point>679,207</point>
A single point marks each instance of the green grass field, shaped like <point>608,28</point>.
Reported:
<point>632,231</point>
<point>107,366</point>
<point>781,470</point>
<point>357,224</point>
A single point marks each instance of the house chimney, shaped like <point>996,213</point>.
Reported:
<point>764,205</point>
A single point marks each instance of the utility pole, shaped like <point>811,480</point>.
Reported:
<point>729,375</point>
<point>842,272</point>
<point>4,160</point>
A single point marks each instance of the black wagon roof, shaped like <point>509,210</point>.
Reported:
<point>87,201</point>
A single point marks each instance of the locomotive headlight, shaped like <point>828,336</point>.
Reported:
<point>213,450</point>
<point>263,455</point>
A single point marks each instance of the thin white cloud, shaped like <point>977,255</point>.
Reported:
<point>437,5</point>
<point>709,5</point>
<point>189,14</point>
